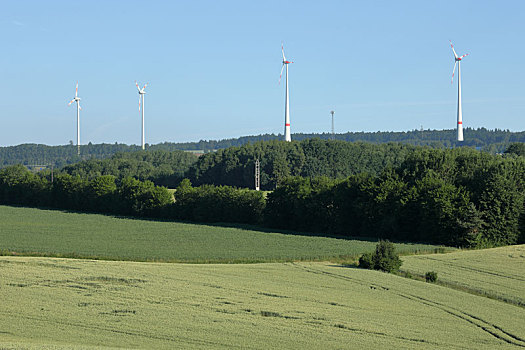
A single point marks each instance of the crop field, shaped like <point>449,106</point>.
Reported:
<point>68,303</point>
<point>28,231</point>
<point>497,272</point>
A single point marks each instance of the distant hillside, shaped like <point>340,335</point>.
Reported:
<point>493,141</point>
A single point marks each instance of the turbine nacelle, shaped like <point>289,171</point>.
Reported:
<point>285,62</point>
<point>456,60</point>
<point>76,98</point>
<point>141,91</point>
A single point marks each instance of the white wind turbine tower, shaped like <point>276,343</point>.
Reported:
<point>141,97</point>
<point>77,100</point>
<point>287,135</point>
<point>457,61</point>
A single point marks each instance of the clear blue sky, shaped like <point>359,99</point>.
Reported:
<point>213,67</point>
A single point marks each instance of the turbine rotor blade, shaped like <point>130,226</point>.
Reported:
<point>139,103</point>
<point>70,102</point>
<point>464,55</point>
<point>76,90</point>
<point>454,71</point>
<point>282,50</point>
<point>280,75</point>
<point>144,86</point>
<point>137,85</point>
<point>452,46</point>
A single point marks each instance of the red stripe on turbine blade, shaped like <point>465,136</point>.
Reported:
<point>287,124</point>
<point>460,123</point>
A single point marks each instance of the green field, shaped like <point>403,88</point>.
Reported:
<point>497,272</point>
<point>29,231</point>
<point>69,303</point>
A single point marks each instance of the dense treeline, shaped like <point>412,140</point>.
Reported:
<point>58,156</point>
<point>235,166</point>
<point>210,203</point>
<point>455,197</point>
<point>130,196</point>
<point>493,141</point>
<point>459,197</point>
<point>104,193</point>
<point>161,167</point>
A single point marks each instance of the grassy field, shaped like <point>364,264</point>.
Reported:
<point>497,273</point>
<point>55,233</point>
<point>73,303</point>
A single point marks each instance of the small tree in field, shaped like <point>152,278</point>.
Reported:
<point>384,258</point>
<point>431,276</point>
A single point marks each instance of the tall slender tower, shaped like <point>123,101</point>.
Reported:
<point>457,61</point>
<point>142,92</point>
<point>460,114</point>
<point>333,131</point>
<point>257,174</point>
<point>77,100</point>
<point>287,134</point>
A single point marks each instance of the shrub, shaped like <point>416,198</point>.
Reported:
<point>385,258</point>
<point>431,276</point>
<point>366,261</point>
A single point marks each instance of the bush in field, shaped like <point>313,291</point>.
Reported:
<point>431,276</point>
<point>384,258</point>
<point>366,261</point>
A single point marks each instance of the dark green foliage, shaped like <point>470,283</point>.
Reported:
<point>517,148</point>
<point>493,141</point>
<point>431,276</point>
<point>161,167</point>
<point>459,197</point>
<point>385,257</point>
<point>301,204</point>
<point>19,186</point>
<point>309,158</point>
<point>143,197</point>
<point>69,192</point>
<point>210,203</point>
<point>101,193</point>
<point>366,261</point>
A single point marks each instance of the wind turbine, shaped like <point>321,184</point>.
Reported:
<point>457,61</point>
<point>77,100</point>
<point>287,135</point>
<point>141,96</point>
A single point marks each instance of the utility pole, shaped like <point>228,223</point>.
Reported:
<point>333,132</point>
<point>257,175</point>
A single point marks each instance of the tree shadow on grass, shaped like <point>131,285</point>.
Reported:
<point>239,226</point>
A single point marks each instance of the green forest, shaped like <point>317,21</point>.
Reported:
<point>460,196</point>
<point>492,141</point>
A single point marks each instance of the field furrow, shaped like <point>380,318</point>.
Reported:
<point>84,303</point>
